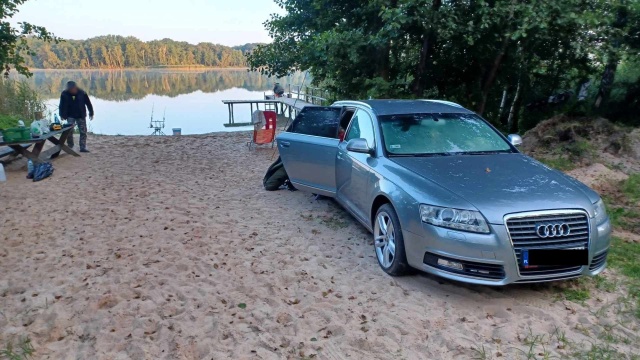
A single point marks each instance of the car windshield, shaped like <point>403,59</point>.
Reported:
<point>440,134</point>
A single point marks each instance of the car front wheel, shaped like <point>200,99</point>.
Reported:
<point>388,242</point>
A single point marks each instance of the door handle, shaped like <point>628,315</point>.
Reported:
<point>285,143</point>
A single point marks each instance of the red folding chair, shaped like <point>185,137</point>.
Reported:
<point>266,134</point>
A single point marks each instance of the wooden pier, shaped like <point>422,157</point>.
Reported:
<point>288,105</point>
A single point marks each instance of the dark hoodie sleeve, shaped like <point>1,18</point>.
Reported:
<point>63,106</point>
<point>88,103</point>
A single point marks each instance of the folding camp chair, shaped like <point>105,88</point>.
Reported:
<point>265,133</point>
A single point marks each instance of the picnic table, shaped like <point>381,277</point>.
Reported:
<point>35,154</point>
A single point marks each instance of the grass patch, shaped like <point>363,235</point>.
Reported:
<point>539,346</point>
<point>579,290</point>
<point>335,222</point>
<point>559,163</point>
<point>21,351</point>
<point>631,187</point>
<point>602,283</point>
<point>480,353</point>
<point>624,256</point>
<point>623,204</point>
<point>580,149</point>
<point>577,295</point>
<point>603,351</point>
<point>621,217</point>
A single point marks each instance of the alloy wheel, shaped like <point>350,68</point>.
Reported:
<point>385,240</point>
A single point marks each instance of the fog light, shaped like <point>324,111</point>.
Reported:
<point>450,264</point>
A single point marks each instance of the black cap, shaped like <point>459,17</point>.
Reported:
<point>71,85</point>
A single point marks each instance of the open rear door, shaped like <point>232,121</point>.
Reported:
<point>309,147</point>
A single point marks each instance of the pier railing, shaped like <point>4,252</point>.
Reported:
<point>310,94</point>
<point>295,100</point>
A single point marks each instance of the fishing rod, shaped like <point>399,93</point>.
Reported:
<point>151,121</point>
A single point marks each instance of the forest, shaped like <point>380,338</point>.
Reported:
<point>514,62</point>
<point>118,52</point>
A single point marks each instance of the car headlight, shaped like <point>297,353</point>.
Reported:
<point>599,212</point>
<point>465,220</point>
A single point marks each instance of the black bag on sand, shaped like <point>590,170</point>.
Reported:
<point>42,171</point>
<point>276,177</point>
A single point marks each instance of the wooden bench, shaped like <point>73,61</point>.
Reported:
<point>7,151</point>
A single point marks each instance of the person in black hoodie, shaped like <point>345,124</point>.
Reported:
<point>74,103</point>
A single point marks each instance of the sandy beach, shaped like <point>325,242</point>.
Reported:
<point>169,248</point>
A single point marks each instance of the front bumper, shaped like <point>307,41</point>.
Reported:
<point>485,254</point>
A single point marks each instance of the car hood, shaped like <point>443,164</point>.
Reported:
<point>501,184</point>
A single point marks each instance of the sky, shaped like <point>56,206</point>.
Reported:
<point>227,22</point>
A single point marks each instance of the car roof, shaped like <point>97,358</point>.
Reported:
<point>393,107</point>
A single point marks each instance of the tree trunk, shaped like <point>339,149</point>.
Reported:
<point>493,73</point>
<point>512,111</point>
<point>418,82</point>
<point>502,103</point>
<point>612,64</point>
<point>428,38</point>
<point>383,61</point>
<point>606,83</point>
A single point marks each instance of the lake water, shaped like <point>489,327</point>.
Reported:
<point>190,100</point>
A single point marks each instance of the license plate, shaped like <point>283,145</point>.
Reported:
<point>554,257</point>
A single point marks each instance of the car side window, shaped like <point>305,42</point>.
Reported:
<point>361,127</point>
<point>317,121</point>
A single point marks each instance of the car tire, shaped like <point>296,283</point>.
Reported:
<point>388,242</point>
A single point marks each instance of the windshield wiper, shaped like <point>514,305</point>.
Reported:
<point>492,152</point>
<point>401,155</point>
<point>422,155</point>
<point>486,152</point>
<point>435,154</point>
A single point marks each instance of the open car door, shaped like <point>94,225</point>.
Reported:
<point>309,147</point>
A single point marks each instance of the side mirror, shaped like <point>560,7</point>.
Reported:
<point>515,139</point>
<point>359,146</point>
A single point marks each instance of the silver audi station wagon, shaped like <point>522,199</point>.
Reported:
<point>444,192</point>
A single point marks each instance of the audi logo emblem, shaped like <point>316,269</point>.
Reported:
<point>553,230</point>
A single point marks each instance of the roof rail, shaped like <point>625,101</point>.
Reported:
<point>450,103</point>
<point>352,102</point>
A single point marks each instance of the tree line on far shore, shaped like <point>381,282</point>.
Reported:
<point>118,52</point>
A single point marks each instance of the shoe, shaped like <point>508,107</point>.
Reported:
<point>84,151</point>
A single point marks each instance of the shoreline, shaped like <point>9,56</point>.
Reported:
<point>169,134</point>
<point>141,69</point>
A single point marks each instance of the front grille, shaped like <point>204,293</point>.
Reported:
<point>598,261</point>
<point>524,236</point>
<point>469,268</point>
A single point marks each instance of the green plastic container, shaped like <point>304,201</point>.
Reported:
<point>16,134</point>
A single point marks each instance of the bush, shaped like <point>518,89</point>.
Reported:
<point>18,101</point>
<point>8,121</point>
<point>624,104</point>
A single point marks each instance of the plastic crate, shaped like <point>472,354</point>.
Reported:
<point>16,134</point>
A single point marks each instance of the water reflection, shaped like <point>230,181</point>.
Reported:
<point>192,99</point>
<point>136,84</point>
